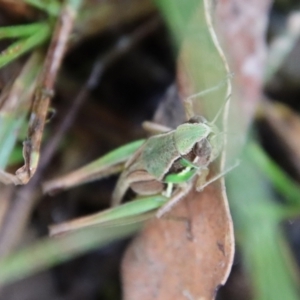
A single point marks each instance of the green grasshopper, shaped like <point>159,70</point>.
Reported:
<point>164,167</point>
<point>166,163</point>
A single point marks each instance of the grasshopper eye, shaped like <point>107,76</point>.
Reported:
<point>202,149</point>
<point>197,119</point>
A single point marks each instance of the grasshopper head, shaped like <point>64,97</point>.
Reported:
<point>202,152</point>
<point>188,134</point>
<point>203,139</point>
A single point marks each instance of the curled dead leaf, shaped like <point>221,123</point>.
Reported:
<point>185,255</point>
<point>188,254</point>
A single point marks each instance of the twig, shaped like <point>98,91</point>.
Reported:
<point>102,63</point>
<point>25,198</point>
<point>44,91</point>
<point>22,206</point>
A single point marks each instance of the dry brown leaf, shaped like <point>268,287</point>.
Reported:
<point>157,263</point>
<point>163,263</point>
<point>186,255</point>
<point>242,25</point>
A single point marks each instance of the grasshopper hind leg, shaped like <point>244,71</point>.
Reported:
<point>154,128</point>
<point>141,182</point>
<point>120,190</point>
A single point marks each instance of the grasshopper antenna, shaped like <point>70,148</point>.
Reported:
<point>221,110</point>
<point>201,188</point>
<point>212,89</point>
<point>188,104</point>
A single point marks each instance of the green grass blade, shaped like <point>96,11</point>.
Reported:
<point>13,112</point>
<point>16,155</point>
<point>9,128</point>
<point>257,219</point>
<point>116,156</point>
<point>52,251</point>
<point>19,31</point>
<point>187,21</point>
<point>282,182</point>
<point>177,14</point>
<point>24,45</point>
<point>51,7</point>
<point>115,216</point>
<point>268,262</point>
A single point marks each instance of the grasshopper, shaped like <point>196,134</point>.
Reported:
<point>165,167</point>
<point>166,163</point>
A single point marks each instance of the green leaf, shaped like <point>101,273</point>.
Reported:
<point>122,214</point>
<point>51,7</point>
<point>282,182</point>
<point>24,45</point>
<point>257,218</point>
<point>49,252</point>
<point>19,31</point>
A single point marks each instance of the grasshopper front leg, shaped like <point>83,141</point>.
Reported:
<point>184,188</point>
<point>180,192</point>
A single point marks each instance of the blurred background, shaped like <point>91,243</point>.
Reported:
<point>121,62</point>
